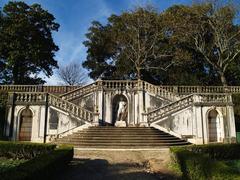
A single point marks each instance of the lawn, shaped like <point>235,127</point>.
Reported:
<point>234,165</point>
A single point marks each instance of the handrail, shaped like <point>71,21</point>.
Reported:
<point>24,97</point>
<point>71,108</point>
<point>184,90</point>
<point>81,91</point>
<point>158,90</point>
<point>37,88</point>
<point>177,90</point>
<point>162,112</point>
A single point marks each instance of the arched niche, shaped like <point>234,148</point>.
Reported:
<point>25,125</point>
<point>117,103</point>
<point>214,126</point>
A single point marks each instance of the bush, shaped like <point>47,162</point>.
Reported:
<point>20,150</point>
<point>218,151</point>
<point>41,167</point>
<point>191,164</point>
<point>202,162</point>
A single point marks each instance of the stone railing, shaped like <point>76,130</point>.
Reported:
<point>37,88</point>
<point>79,92</point>
<point>185,90</point>
<point>52,100</point>
<point>212,99</point>
<point>71,108</point>
<point>118,84</point>
<point>27,98</point>
<point>159,91</point>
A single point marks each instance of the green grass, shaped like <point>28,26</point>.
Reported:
<point>234,164</point>
<point>6,164</point>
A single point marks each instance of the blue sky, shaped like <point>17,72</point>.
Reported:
<point>75,17</point>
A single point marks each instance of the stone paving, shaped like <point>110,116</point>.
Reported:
<point>118,165</point>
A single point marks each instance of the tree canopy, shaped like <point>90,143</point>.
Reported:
<point>196,44</point>
<point>26,44</point>
<point>210,31</point>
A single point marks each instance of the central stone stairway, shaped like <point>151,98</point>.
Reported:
<point>121,138</point>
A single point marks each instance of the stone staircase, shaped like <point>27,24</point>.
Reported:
<point>121,138</point>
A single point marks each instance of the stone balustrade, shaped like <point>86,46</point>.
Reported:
<point>71,108</point>
<point>159,91</point>
<point>119,84</point>
<point>27,97</point>
<point>162,112</point>
<point>185,90</point>
<point>37,88</point>
<point>115,84</point>
<point>79,92</point>
<point>51,100</point>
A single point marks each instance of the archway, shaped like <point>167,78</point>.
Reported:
<point>214,126</point>
<point>119,109</point>
<point>25,126</point>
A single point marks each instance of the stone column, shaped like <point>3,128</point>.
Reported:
<point>96,119</point>
<point>144,122</point>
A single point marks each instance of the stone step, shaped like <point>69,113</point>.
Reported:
<point>112,137</point>
<point>117,138</point>
<point>125,144</point>
<point>105,136</point>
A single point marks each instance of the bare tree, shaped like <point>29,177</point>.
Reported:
<point>141,33</point>
<point>211,30</point>
<point>72,74</point>
<point>225,37</point>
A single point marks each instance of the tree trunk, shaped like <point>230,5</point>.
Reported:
<point>223,79</point>
<point>138,73</point>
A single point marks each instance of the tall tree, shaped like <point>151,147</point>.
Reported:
<point>210,30</point>
<point>26,44</point>
<point>129,45</point>
<point>72,74</point>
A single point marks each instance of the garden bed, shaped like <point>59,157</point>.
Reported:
<point>215,161</point>
<point>20,161</point>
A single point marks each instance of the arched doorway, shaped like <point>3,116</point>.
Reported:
<point>119,109</point>
<point>214,126</point>
<point>25,126</point>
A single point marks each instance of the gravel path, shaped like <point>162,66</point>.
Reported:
<point>118,165</point>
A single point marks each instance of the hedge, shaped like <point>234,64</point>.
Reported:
<point>41,167</point>
<point>218,151</point>
<point>196,162</point>
<point>21,150</point>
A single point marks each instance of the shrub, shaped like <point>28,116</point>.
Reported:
<point>191,164</point>
<point>218,151</point>
<point>20,150</point>
<point>202,161</point>
<point>41,167</point>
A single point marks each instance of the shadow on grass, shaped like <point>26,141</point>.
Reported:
<point>99,169</point>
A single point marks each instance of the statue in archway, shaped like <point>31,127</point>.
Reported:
<point>122,111</point>
<point>122,114</point>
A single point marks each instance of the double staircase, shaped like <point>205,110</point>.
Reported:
<point>128,137</point>
<point>121,138</point>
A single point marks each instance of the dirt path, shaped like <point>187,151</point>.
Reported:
<point>118,165</point>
